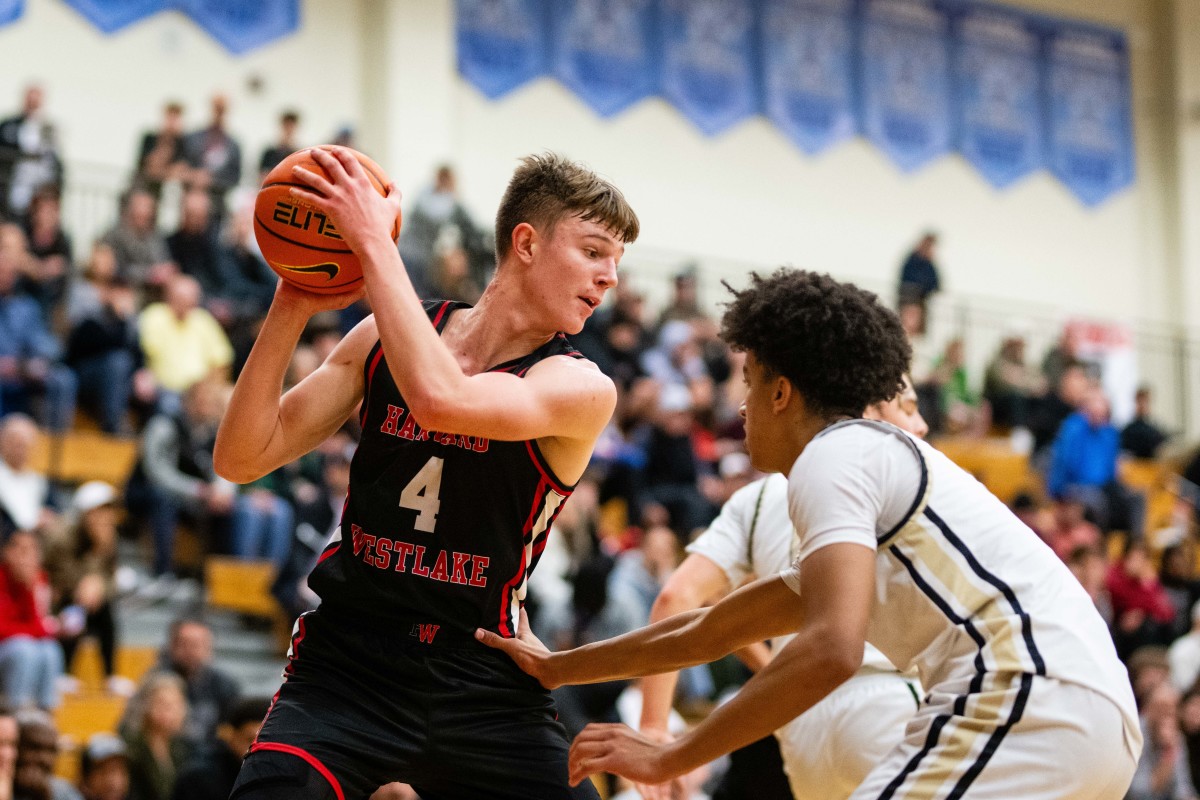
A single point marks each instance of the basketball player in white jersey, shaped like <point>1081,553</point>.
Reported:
<point>828,750</point>
<point>898,546</point>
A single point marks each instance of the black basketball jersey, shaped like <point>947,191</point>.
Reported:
<point>438,527</point>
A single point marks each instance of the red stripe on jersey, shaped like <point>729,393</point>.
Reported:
<point>312,760</point>
<point>539,499</point>
<point>293,655</point>
<point>535,455</point>
<point>329,552</point>
<point>441,312</point>
<point>362,419</point>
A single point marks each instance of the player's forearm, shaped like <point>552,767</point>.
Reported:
<point>755,657</point>
<point>796,680</point>
<point>425,371</point>
<point>665,646</point>
<point>253,413</point>
<point>753,613</point>
<point>658,691</point>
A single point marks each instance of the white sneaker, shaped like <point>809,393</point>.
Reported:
<point>68,684</point>
<point>120,686</point>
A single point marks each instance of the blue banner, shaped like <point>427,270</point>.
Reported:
<point>709,64</point>
<point>808,70</point>
<point>501,43</point>
<point>112,15</point>
<point>1091,135</point>
<point>906,80</point>
<point>240,26</point>
<point>605,51</point>
<point>10,10</point>
<point>998,94</point>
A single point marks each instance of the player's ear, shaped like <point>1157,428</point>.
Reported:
<point>524,242</point>
<point>783,392</point>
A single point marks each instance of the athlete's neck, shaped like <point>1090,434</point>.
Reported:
<point>502,326</point>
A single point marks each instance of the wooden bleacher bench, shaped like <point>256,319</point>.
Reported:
<point>81,456</point>
<point>241,586</point>
<point>1005,472</point>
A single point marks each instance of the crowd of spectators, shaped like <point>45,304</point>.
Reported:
<point>144,330</point>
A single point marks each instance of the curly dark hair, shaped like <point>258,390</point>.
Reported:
<point>837,344</point>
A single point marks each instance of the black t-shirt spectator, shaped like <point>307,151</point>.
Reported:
<point>1141,438</point>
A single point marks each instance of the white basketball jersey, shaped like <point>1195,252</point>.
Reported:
<point>965,592</point>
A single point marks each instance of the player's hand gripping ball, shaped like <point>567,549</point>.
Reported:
<point>299,241</point>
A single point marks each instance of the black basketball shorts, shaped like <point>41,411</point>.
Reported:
<point>361,707</point>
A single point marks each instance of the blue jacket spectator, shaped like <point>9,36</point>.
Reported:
<point>28,355</point>
<point>1084,467</point>
<point>1084,454</point>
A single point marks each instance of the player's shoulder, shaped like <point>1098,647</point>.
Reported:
<point>853,444</point>
<point>760,491</point>
<point>356,345</point>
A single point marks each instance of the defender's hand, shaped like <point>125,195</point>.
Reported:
<point>621,751</point>
<point>673,789</point>
<point>526,649</point>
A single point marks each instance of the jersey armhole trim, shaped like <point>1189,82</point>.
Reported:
<point>543,466</point>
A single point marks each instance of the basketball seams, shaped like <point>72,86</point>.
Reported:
<point>288,246</point>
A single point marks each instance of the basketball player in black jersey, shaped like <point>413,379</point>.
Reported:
<point>477,422</point>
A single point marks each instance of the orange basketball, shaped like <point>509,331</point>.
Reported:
<point>297,240</point>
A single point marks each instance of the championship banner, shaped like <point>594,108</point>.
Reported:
<point>906,80</point>
<point>998,94</point>
<point>501,43</point>
<point>10,10</point>
<point>606,51</point>
<point>808,68</point>
<point>709,64</point>
<point>1090,131</point>
<point>112,15</point>
<point>240,26</point>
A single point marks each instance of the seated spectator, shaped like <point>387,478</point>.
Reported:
<point>1177,574</point>
<point>24,491</point>
<point>29,355</point>
<point>317,520</point>
<point>1050,411</point>
<point>1141,438</point>
<point>289,122</point>
<point>958,404</point>
<point>174,478</point>
<point>82,566</point>
<point>435,209</point>
<point>141,251</point>
<point>672,469</point>
<point>9,736</point>
<point>1184,655</point>
<point>160,154</point>
<point>51,251</point>
<point>102,348</point>
<point>211,692</point>
<point>684,304</point>
<point>37,753</point>
<point>154,736</point>
<point>1090,568</point>
<point>1068,529</point>
<point>263,519</point>
<point>210,774</point>
<point>182,343</point>
<point>1142,611</point>
<point>104,768</point>
<point>29,158</point>
<point>451,271</point>
<point>1011,385</point>
<point>596,613</point>
<point>641,572</point>
<point>83,295</point>
<point>194,246</point>
<point>213,157</point>
<point>31,659</point>
<point>1162,770</point>
<point>1084,462</point>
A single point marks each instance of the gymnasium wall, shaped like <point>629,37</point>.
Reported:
<point>746,197</point>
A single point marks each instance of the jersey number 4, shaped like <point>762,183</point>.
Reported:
<point>421,495</point>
